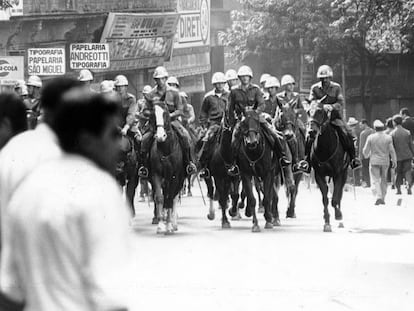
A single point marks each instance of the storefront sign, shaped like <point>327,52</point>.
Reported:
<point>189,64</point>
<point>307,76</point>
<point>93,56</point>
<point>194,26</point>
<point>194,84</point>
<point>46,62</point>
<point>15,9</point>
<point>11,69</point>
<point>139,40</point>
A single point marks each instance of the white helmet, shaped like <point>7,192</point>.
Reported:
<point>85,75</point>
<point>264,77</point>
<point>272,82</point>
<point>231,74</point>
<point>173,80</point>
<point>324,71</point>
<point>160,72</point>
<point>218,77</point>
<point>245,71</point>
<point>147,89</point>
<point>34,81</point>
<point>287,79</point>
<point>107,86</point>
<point>121,80</point>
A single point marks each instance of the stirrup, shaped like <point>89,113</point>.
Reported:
<point>205,173</point>
<point>233,170</point>
<point>356,164</point>
<point>284,161</point>
<point>191,169</point>
<point>304,166</point>
<point>143,172</point>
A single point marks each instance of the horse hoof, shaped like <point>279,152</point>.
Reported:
<point>256,228</point>
<point>268,225</point>
<point>291,215</point>
<point>338,216</point>
<point>189,194</point>
<point>261,210</point>
<point>240,205</point>
<point>225,225</point>
<point>232,213</point>
<point>236,218</point>
<point>276,223</point>
<point>160,230</point>
<point>155,221</point>
<point>327,228</point>
<point>169,232</point>
<point>341,225</point>
<point>248,212</point>
<point>211,216</point>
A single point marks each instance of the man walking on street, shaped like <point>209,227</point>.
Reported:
<point>366,131</point>
<point>408,121</point>
<point>379,148</point>
<point>404,148</point>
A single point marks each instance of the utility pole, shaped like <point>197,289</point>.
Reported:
<point>343,84</point>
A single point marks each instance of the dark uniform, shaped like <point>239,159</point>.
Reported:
<point>252,97</point>
<point>33,111</point>
<point>212,112</point>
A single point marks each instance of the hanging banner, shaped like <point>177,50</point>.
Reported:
<point>46,61</point>
<point>94,56</point>
<point>15,8</point>
<point>11,69</point>
<point>194,26</point>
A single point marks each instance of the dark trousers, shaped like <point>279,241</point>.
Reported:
<point>403,171</point>
<point>365,172</point>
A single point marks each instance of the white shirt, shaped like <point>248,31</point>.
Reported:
<point>21,155</point>
<point>70,225</point>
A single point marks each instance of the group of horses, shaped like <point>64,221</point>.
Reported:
<point>259,168</point>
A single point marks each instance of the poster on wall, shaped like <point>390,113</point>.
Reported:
<point>46,61</point>
<point>14,8</point>
<point>11,69</point>
<point>93,56</point>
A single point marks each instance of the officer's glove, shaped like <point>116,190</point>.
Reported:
<point>125,130</point>
<point>327,107</point>
<point>267,117</point>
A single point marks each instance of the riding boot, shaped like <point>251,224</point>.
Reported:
<point>280,151</point>
<point>304,165</point>
<point>203,160</point>
<point>234,169</point>
<point>347,140</point>
<point>143,167</point>
<point>292,143</point>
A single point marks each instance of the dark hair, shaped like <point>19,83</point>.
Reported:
<point>13,108</point>
<point>54,89</point>
<point>397,119</point>
<point>405,111</point>
<point>389,124</point>
<point>364,121</point>
<point>82,111</point>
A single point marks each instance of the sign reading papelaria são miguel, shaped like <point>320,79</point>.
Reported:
<point>46,61</point>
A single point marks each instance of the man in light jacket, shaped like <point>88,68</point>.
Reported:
<point>379,148</point>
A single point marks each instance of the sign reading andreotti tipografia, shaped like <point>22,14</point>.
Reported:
<point>93,56</point>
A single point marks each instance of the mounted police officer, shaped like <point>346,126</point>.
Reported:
<point>327,94</point>
<point>129,104</point>
<point>249,96</point>
<point>34,86</point>
<point>271,103</point>
<point>169,96</point>
<point>212,112</point>
<point>86,78</point>
<point>232,79</point>
<point>262,82</point>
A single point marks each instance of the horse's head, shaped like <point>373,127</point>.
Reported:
<point>317,117</point>
<point>250,127</point>
<point>160,119</point>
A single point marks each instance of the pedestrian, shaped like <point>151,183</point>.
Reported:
<point>28,150</point>
<point>353,125</point>
<point>404,148</point>
<point>12,117</point>
<point>72,232</point>
<point>379,148</point>
<point>408,121</point>
<point>366,131</point>
<point>34,89</point>
<point>389,127</point>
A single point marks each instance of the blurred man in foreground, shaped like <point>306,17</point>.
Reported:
<point>72,231</point>
<point>12,117</point>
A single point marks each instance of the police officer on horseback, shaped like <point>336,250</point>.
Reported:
<point>249,96</point>
<point>211,115</point>
<point>129,105</point>
<point>34,86</point>
<point>327,95</point>
<point>168,96</point>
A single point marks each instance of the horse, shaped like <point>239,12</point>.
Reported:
<point>167,171</point>
<point>218,165</point>
<point>328,159</point>
<point>296,145</point>
<point>127,169</point>
<point>256,159</point>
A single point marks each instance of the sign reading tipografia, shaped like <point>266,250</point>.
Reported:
<point>89,56</point>
<point>46,61</point>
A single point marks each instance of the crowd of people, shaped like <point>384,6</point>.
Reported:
<point>58,196</point>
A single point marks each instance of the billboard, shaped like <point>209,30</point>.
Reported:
<point>193,28</point>
<point>11,69</point>
<point>46,61</point>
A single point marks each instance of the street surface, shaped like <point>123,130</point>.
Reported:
<point>368,265</point>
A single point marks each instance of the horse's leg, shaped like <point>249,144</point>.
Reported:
<point>131,186</point>
<point>210,193</point>
<point>323,186</point>
<point>339,183</point>
<point>259,191</point>
<point>210,188</point>
<point>275,202</point>
<point>268,183</point>
<point>290,213</point>
<point>251,201</point>
<point>223,194</point>
<point>189,193</point>
<point>159,203</point>
<point>234,194</point>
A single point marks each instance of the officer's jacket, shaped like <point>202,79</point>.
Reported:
<point>129,109</point>
<point>271,105</point>
<point>213,107</point>
<point>333,94</point>
<point>170,98</point>
<point>239,99</point>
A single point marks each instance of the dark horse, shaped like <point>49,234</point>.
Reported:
<point>328,159</point>
<point>220,159</point>
<point>256,159</point>
<point>166,171</point>
<point>127,169</point>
